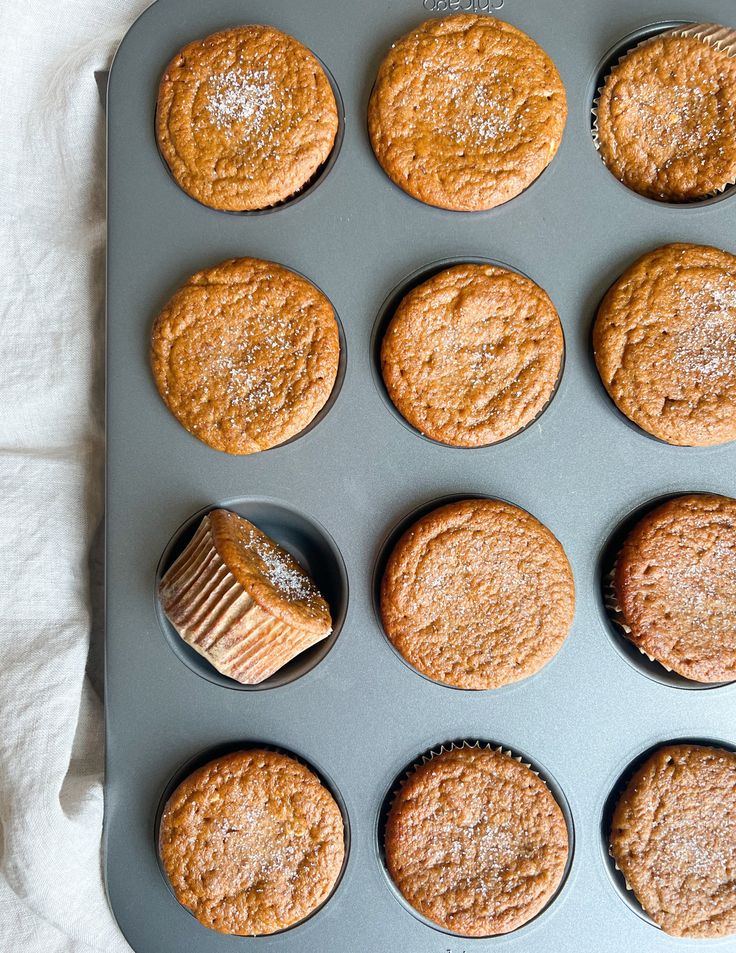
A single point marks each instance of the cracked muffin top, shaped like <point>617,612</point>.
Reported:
<point>245,354</point>
<point>665,344</point>
<point>252,842</point>
<point>675,586</point>
<point>477,594</point>
<point>245,118</point>
<point>476,842</point>
<point>472,355</point>
<point>466,112</point>
<point>673,836</point>
<point>667,118</point>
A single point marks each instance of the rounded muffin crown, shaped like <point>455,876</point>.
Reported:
<point>665,344</point>
<point>475,841</point>
<point>466,112</point>
<point>666,119</point>
<point>477,594</point>
<point>245,118</point>
<point>673,837</point>
<point>473,354</point>
<point>252,842</point>
<point>246,354</point>
<point>268,573</point>
<point>675,585</point>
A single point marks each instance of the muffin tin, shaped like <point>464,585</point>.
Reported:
<point>334,494</point>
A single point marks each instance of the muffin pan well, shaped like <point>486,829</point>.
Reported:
<point>211,754</point>
<point>386,313</point>
<point>616,52</point>
<point>312,547</point>
<point>633,655</point>
<point>357,712</point>
<point>318,176</point>
<point>554,787</point>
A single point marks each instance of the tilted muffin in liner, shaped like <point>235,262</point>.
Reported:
<point>242,601</point>
<point>714,35</point>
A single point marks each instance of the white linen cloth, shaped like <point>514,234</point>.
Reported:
<point>52,204</point>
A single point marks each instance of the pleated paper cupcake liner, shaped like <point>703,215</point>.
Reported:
<point>214,614</point>
<point>447,747</point>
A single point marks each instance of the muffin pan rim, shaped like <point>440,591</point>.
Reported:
<point>583,783</point>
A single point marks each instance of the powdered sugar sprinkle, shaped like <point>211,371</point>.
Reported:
<point>240,95</point>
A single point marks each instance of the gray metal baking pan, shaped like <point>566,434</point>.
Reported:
<point>358,713</point>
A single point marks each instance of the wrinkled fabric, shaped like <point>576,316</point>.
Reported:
<point>52,200</point>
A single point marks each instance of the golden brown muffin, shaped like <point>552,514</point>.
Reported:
<point>675,586</point>
<point>466,112</point>
<point>667,119</point>
<point>665,344</point>
<point>476,842</point>
<point>473,355</point>
<point>245,118</point>
<point>673,837</point>
<point>477,594</point>
<point>242,601</point>
<point>245,354</point>
<point>252,843</point>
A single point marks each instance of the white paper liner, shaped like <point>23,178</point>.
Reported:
<point>713,34</point>
<point>628,886</point>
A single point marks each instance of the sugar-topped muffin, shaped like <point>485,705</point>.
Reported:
<point>252,842</point>
<point>245,118</point>
<point>473,355</point>
<point>245,354</point>
<point>477,594</point>
<point>466,112</point>
<point>666,115</point>
<point>665,344</point>
<point>673,836</point>
<point>476,841</point>
<point>674,586</point>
